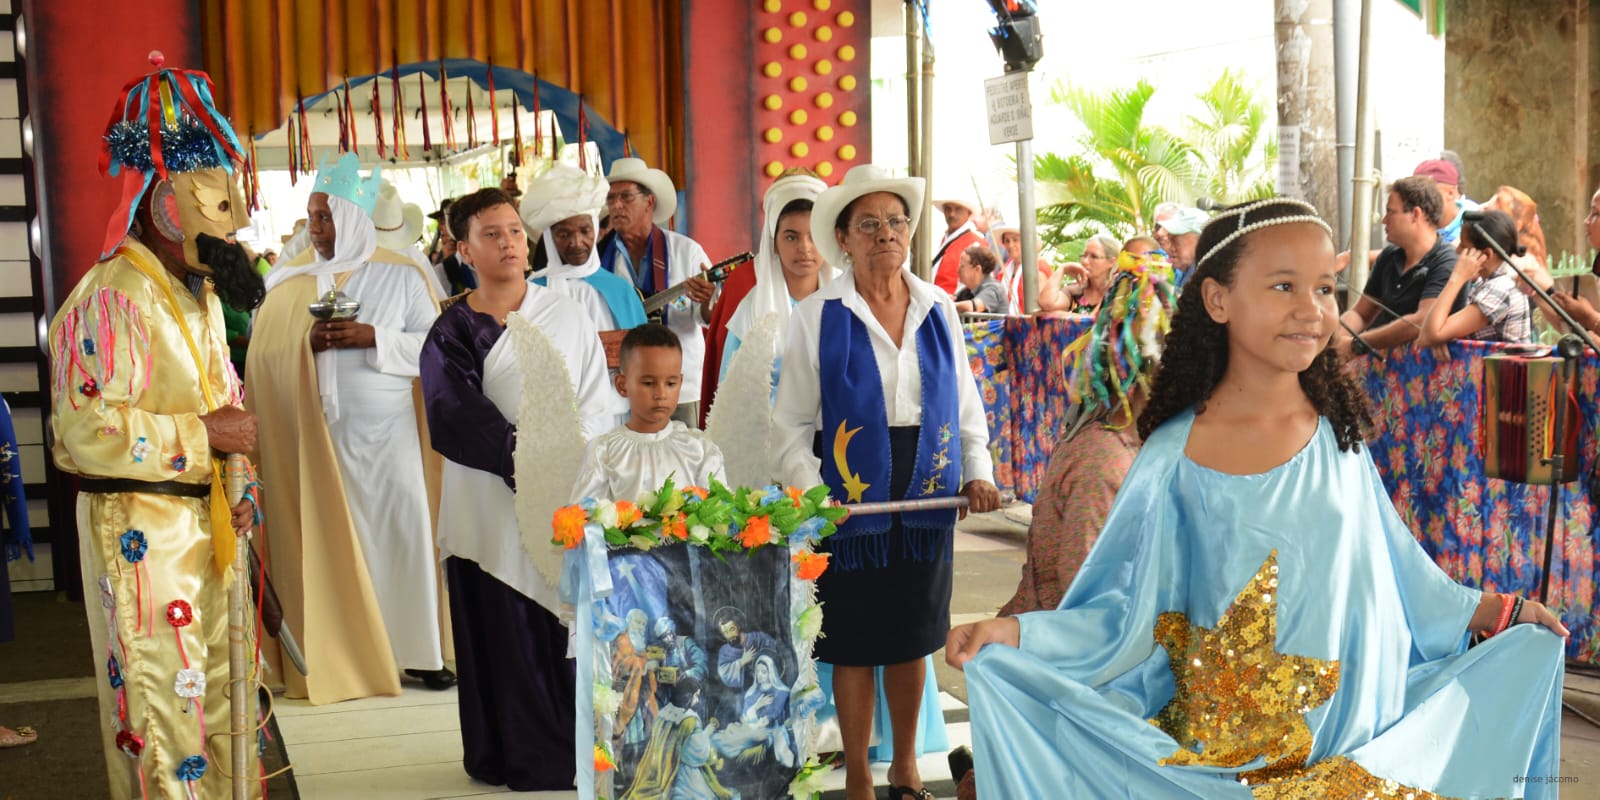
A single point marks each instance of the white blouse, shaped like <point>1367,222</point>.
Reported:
<point>624,464</point>
<point>797,414</point>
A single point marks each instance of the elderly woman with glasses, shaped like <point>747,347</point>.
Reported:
<point>1090,278</point>
<point>874,365</point>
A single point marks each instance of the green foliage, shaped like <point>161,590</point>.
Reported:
<point>1123,167</point>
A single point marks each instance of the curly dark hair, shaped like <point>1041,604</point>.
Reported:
<point>1196,354</point>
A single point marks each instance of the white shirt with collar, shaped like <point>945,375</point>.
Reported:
<point>685,259</point>
<point>797,414</point>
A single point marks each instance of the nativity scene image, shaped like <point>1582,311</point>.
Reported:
<point>705,674</point>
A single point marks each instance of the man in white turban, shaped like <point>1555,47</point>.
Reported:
<point>562,207</point>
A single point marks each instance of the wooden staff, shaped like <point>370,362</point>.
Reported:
<point>903,506</point>
<point>236,478</point>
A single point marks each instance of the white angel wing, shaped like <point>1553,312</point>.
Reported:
<point>741,416</point>
<point>550,443</point>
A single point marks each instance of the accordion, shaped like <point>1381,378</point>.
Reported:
<point>1518,425</point>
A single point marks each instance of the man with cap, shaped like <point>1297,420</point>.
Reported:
<point>642,199</point>
<point>1448,179</point>
<point>562,207</point>
<point>146,407</point>
<point>961,232</point>
<point>351,507</point>
<point>1182,230</point>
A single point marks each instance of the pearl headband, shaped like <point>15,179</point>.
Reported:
<point>1243,211</point>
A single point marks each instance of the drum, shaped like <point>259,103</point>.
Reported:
<point>1518,425</point>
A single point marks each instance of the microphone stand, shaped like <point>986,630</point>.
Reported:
<point>1570,350</point>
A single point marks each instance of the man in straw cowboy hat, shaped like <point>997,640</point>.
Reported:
<point>641,200</point>
<point>399,225</point>
<point>961,232</point>
<point>352,521</point>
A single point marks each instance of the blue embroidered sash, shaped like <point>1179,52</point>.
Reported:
<point>626,309</point>
<point>856,454</point>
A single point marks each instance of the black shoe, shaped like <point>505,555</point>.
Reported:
<point>960,763</point>
<point>435,679</point>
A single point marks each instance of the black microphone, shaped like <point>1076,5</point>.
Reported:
<point>1475,215</point>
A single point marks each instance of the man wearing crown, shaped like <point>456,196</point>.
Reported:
<point>146,408</point>
<point>350,514</point>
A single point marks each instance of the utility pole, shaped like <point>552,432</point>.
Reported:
<point>1307,122</point>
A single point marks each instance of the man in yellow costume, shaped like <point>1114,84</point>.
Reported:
<point>145,411</point>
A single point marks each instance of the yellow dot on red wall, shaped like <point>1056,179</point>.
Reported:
<point>846,19</point>
<point>773,6</point>
<point>772,69</point>
<point>798,19</point>
<point>798,116</point>
<point>773,135</point>
<point>847,152</point>
<point>772,35</point>
<point>797,84</point>
<point>822,5</point>
<point>848,119</point>
<point>825,100</point>
<point>824,34</point>
<point>797,52</point>
<point>846,53</point>
<point>825,169</point>
<point>847,82</point>
<point>823,67</point>
<point>774,169</point>
<point>825,133</point>
<point>799,149</point>
<point>773,102</point>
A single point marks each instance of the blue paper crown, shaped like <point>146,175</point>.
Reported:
<point>343,179</point>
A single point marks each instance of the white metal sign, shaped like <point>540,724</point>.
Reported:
<point>1010,108</point>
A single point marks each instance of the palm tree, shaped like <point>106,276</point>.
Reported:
<point>1126,168</point>
<point>1236,151</point>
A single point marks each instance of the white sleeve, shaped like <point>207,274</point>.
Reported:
<point>976,464</point>
<point>598,403</point>
<point>397,351</point>
<point>711,465</point>
<point>794,415</point>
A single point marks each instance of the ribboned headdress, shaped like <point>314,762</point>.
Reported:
<point>343,179</point>
<point>1121,350</point>
<point>164,122</point>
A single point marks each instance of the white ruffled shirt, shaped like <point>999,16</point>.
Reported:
<point>797,414</point>
<point>624,464</point>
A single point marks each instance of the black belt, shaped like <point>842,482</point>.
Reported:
<point>120,485</point>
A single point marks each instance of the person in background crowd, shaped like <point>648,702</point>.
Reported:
<point>454,270</point>
<point>1010,241</point>
<point>1580,309</point>
<point>1495,310</point>
<point>1467,203</point>
<point>1183,233</point>
<point>642,200</point>
<point>1163,212</point>
<point>1408,274</point>
<point>1448,180</point>
<point>1090,279</point>
<point>961,232</point>
<point>980,292</point>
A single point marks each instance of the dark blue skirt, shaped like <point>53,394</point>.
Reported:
<point>893,614</point>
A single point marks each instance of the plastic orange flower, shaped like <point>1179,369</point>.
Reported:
<point>627,513</point>
<point>794,495</point>
<point>568,523</point>
<point>756,532</point>
<point>810,566</point>
<point>602,760</point>
<point>673,525</point>
<point>697,491</point>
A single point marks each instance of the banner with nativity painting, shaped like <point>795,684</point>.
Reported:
<point>701,614</point>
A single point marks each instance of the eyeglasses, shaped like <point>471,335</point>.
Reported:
<point>627,198</point>
<point>871,225</point>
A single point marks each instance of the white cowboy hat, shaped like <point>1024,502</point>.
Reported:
<point>399,224</point>
<point>861,180</point>
<point>998,230</point>
<point>963,200</point>
<point>633,170</point>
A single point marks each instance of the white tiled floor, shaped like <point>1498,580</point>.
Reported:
<point>356,750</point>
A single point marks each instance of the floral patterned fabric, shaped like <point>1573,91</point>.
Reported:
<point>1485,533</point>
<point>986,352</point>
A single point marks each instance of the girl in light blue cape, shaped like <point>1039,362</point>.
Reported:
<point>1256,620</point>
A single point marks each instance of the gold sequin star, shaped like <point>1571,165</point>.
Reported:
<point>1237,698</point>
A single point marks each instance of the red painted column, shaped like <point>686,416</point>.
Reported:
<point>81,53</point>
<point>722,195</point>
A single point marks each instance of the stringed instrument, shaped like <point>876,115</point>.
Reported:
<point>716,273</point>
